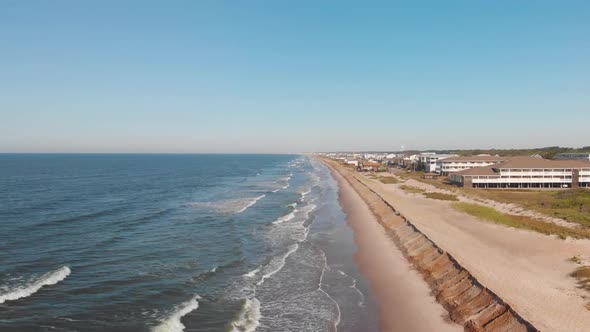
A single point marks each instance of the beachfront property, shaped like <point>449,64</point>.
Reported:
<point>526,172</point>
<point>450,165</point>
<point>368,166</point>
<point>573,156</point>
<point>428,161</point>
<point>351,162</point>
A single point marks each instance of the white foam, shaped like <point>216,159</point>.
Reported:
<point>49,278</point>
<point>305,193</point>
<point>308,209</point>
<point>286,217</point>
<point>172,323</point>
<point>361,302</point>
<point>326,267</point>
<point>235,205</point>
<point>256,199</point>
<point>249,317</point>
<point>293,205</point>
<point>252,273</point>
<point>213,270</point>
<point>276,264</point>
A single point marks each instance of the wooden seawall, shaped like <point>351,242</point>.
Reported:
<point>467,301</point>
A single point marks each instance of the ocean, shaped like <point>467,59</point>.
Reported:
<point>132,242</point>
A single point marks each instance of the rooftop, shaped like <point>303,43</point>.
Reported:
<point>486,170</point>
<point>532,162</point>
<point>476,158</point>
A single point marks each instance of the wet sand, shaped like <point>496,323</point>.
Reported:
<point>404,299</point>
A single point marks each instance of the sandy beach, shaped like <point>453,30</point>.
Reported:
<point>529,271</point>
<point>404,299</point>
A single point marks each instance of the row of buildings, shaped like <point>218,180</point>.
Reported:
<point>566,170</point>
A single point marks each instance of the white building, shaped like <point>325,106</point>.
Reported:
<point>457,164</point>
<point>573,156</point>
<point>526,172</point>
<point>430,163</point>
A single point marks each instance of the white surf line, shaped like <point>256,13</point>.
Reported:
<point>253,272</point>
<point>172,323</point>
<point>305,193</point>
<point>337,322</point>
<point>287,217</point>
<point>282,260</point>
<point>49,278</point>
<point>361,295</point>
<point>251,203</point>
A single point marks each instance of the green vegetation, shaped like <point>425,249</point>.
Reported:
<point>522,222</point>
<point>443,197</point>
<point>547,152</point>
<point>412,190</point>
<point>571,204</point>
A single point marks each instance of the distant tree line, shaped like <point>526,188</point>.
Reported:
<point>546,152</point>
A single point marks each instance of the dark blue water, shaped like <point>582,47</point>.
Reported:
<point>176,242</point>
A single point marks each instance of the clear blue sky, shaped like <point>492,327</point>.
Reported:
<point>292,76</point>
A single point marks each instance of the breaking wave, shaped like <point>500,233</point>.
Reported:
<point>277,263</point>
<point>248,318</point>
<point>236,205</point>
<point>49,278</point>
<point>252,273</point>
<point>286,217</point>
<point>172,322</point>
<point>256,199</point>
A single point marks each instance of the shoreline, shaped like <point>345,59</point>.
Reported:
<point>404,300</point>
<point>467,301</point>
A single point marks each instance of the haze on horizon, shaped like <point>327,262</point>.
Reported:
<point>262,76</point>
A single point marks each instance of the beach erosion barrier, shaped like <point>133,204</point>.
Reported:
<point>468,302</point>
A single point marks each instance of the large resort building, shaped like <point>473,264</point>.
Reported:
<point>430,161</point>
<point>457,164</point>
<point>526,172</point>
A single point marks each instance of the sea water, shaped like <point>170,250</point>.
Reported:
<point>176,243</point>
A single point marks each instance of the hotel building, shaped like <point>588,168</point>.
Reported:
<point>526,172</point>
<point>457,164</point>
<point>429,161</point>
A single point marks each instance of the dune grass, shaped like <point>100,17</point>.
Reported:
<point>388,179</point>
<point>440,196</point>
<point>412,190</point>
<point>582,275</point>
<point>572,205</point>
<point>521,222</point>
